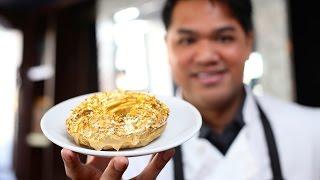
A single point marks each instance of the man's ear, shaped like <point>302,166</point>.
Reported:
<point>249,43</point>
<point>250,39</point>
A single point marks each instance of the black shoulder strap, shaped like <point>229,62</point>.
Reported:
<point>272,150</point>
<point>178,165</point>
<point>271,143</point>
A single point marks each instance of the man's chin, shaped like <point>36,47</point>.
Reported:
<point>213,96</point>
<point>210,91</point>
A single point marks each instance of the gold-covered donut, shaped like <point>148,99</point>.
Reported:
<point>117,120</point>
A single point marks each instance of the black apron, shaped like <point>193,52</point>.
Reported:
<point>272,151</point>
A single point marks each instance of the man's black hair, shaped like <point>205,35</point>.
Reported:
<point>240,9</point>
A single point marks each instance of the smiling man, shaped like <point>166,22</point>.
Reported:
<point>207,52</point>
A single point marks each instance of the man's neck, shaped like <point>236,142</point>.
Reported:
<point>219,118</point>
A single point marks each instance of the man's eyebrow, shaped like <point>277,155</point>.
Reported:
<point>185,31</point>
<point>225,29</point>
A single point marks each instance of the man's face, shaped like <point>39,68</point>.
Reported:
<point>207,50</point>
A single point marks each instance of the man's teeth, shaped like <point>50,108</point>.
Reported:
<point>204,75</point>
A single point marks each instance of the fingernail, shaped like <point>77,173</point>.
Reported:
<point>168,154</point>
<point>121,164</point>
<point>64,157</point>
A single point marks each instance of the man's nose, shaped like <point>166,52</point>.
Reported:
<point>206,53</point>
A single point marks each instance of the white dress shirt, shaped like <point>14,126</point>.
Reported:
<point>297,133</point>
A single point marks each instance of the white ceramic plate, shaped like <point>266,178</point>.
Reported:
<point>184,121</point>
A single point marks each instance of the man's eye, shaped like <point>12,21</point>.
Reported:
<point>186,41</point>
<point>225,39</point>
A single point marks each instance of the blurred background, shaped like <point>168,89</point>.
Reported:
<point>52,50</point>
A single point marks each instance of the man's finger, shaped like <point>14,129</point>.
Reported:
<point>156,165</point>
<point>99,162</point>
<point>72,163</point>
<point>115,169</point>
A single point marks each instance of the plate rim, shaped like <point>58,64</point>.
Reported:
<point>125,152</point>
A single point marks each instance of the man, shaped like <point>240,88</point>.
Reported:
<point>243,137</point>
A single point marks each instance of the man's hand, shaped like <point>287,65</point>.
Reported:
<point>99,168</point>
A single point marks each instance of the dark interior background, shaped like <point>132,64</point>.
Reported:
<point>73,23</point>
<point>305,27</point>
